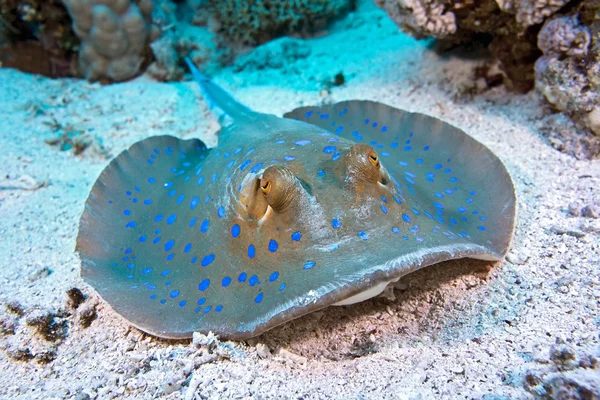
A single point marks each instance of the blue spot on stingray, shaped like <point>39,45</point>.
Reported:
<point>274,276</point>
<point>406,218</point>
<point>335,155</point>
<point>172,193</point>
<point>469,200</point>
<point>204,285</point>
<point>321,172</point>
<point>309,265</point>
<point>251,251</point>
<point>165,272</point>
<point>147,202</point>
<point>187,248</point>
<point>289,158</point>
<point>438,194</point>
<point>174,294</point>
<point>242,277</point>
<point>481,228</point>
<point>296,236</point>
<point>156,240</point>
<point>426,148</point>
<point>194,202</point>
<point>384,209</point>
<point>253,281</point>
<point>170,256</point>
<point>171,219</point>
<point>245,165</point>
<point>214,177</point>
<point>146,271</point>
<point>208,260</point>
<point>226,281</point>
<point>169,245</point>
<point>201,301</point>
<point>131,224</point>
<point>194,259</point>
<point>168,184</point>
<point>384,129</point>
<point>336,223</point>
<point>182,303</point>
<point>142,239</point>
<point>151,180</point>
<point>329,149</point>
<point>235,231</point>
<point>200,180</point>
<point>437,166</point>
<point>127,212</point>
<point>324,116</point>
<point>303,142</point>
<point>256,168</point>
<point>207,309</point>
<point>363,235</point>
<point>395,230</point>
<point>219,308</point>
<point>438,205</point>
<point>259,296</point>
<point>221,212</point>
<point>273,246</point>
<point>407,148</point>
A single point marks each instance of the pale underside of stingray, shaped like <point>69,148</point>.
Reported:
<point>286,215</point>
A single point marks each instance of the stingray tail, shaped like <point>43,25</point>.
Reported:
<point>221,103</point>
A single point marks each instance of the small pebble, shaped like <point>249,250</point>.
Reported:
<point>263,351</point>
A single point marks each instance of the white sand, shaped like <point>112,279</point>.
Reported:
<point>463,329</point>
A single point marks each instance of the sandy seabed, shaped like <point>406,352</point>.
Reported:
<point>519,328</point>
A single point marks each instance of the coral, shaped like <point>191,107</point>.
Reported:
<point>503,24</point>
<point>252,22</point>
<point>567,73</point>
<point>36,37</point>
<point>553,45</point>
<point>114,36</point>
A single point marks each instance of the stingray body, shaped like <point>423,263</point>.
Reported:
<point>286,215</point>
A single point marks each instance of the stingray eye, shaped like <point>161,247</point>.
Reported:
<point>374,159</point>
<point>265,186</point>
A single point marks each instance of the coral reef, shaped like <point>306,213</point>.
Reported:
<point>36,37</point>
<point>114,34</point>
<point>509,26</point>
<point>568,73</point>
<point>553,45</point>
<point>252,22</point>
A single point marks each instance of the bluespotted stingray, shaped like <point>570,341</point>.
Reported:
<point>286,215</point>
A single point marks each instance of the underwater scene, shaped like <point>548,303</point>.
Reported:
<point>296,199</point>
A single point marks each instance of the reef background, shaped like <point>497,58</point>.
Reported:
<point>522,328</point>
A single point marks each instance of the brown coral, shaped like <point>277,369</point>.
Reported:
<point>252,22</point>
<point>114,36</point>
